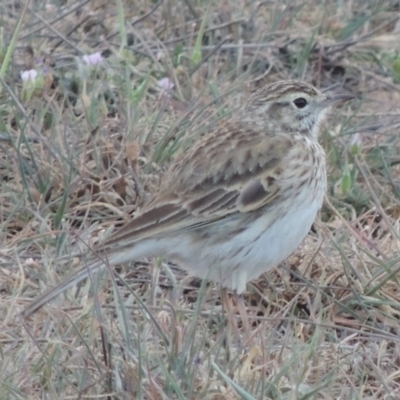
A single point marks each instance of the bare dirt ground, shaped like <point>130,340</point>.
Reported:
<point>118,89</point>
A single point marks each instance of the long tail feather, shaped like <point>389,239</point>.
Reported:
<point>72,280</point>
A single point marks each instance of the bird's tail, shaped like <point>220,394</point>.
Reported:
<point>87,271</point>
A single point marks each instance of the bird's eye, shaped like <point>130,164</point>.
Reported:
<point>300,102</point>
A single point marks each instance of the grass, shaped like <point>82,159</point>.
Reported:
<point>82,147</point>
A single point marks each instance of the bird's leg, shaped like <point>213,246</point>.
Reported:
<point>241,307</point>
<point>231,311</point>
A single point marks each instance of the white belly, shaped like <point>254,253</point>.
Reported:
<point>255,250</point>
<point>236,260</point>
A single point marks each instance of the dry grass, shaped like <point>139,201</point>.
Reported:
<point>83,147</point>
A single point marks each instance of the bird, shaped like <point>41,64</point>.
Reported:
<point>238,202</point>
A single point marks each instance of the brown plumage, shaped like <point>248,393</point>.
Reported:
<point>239,201</point>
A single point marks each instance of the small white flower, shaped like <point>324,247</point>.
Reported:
<point>29,75</point>
<point>93,59</point>
<point>356,143</point>
<point>165,83</point>
<point>356,140</point>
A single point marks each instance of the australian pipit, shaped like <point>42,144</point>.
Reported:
<point>239,201</point>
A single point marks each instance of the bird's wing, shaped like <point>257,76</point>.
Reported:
<point>232,171</point>
<point>229,172</point>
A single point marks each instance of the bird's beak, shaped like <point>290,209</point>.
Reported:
<point>332,99</point>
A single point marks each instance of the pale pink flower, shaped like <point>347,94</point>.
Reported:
<point>165,83</point>
<point>93,59</point>
<point>29,75</point>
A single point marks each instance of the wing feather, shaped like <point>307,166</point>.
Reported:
<point>242,177</point>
